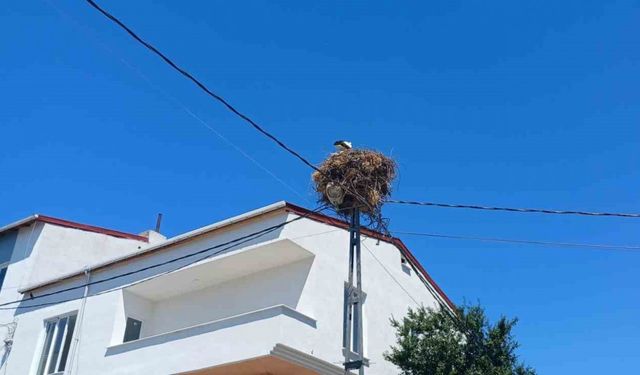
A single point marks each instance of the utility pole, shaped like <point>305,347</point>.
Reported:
<point>352,335</point>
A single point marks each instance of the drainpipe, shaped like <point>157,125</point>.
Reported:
<point>74,357</point>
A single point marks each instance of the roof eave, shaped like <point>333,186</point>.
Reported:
<point>168,243</point>
<point>19,223</point>
<point>71,224</point>
<point>288,207</point>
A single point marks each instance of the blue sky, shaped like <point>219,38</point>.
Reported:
<point>499,103</point>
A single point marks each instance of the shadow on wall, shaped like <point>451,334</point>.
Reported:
<point>18,244</point>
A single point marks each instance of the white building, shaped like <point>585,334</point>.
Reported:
<point>98,301</point>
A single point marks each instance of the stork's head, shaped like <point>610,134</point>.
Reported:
<point>342,145</point>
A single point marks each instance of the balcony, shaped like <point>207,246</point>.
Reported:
<point>232,308</point>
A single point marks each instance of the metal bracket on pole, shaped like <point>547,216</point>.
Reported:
<point>352,334</point>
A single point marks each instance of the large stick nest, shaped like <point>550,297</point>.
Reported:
<point>362,178</point>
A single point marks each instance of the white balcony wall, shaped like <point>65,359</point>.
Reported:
<point>136,307</point>
<point>278,286</point>
<point>231,340</point>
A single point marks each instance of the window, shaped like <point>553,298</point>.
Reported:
<point>3,272</point>
<point>57,341</point>
<point>132,330</point>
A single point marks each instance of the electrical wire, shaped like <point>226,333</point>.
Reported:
<point>231,243</point>
<point>214,131</point>
<point>390,274</point>
<point>173,99</point>
<point>133,283</point>
<point>516,241</point>
<point>511,209</point>
<point>443,305</point>
<point>204,88</point>
<point>291,151</point>
<point>219,98</point>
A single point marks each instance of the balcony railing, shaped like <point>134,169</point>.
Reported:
<point>252,316</point>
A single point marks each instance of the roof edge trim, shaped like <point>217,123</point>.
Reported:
<point>379,236</point>
<point>71,224</point>
<point>90,228</point>
<point>16,224</point>
<point>163,245</point>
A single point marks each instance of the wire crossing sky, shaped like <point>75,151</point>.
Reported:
<point>505,103</point>
<point>512,209</point>
<point>201,85</point>
<point>204,88</point>
<point>303,159</point>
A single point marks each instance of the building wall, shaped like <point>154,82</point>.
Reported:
<point>59,251</point>
<point>390,291</point>
<point>231,321</point>
<point>136,307</point>
<point>7,243</point>
<point>276,286</point>
<point>19,250</point>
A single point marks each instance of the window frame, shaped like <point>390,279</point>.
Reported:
<point>52,345</point>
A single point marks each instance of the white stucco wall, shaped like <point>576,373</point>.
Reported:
<point>20,264</point>
<point>386,297</point>
<point>136,307</point>
<point>59,251</point>
<point>234,320</point>
<point>280,285</point>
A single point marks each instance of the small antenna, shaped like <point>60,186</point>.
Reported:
<point>158,222</point>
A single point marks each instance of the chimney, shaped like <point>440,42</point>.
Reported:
<point>154,236</point>
<point>158,222</point>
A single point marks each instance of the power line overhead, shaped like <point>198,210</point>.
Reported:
<point>209,92</point>
<point>202,86</point>
<point>518,241</point>
<point>512,209</point>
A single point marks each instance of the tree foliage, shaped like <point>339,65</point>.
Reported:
<point>434,342</point>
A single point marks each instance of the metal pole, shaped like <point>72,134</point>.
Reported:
<point>359,300</point>
<point>158,222</point>
<point>348,328</point>
<point>352,323</point>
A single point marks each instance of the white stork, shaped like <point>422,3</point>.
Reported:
<point>342,145</point>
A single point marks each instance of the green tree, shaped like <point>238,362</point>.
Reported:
<point>435,342</point>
